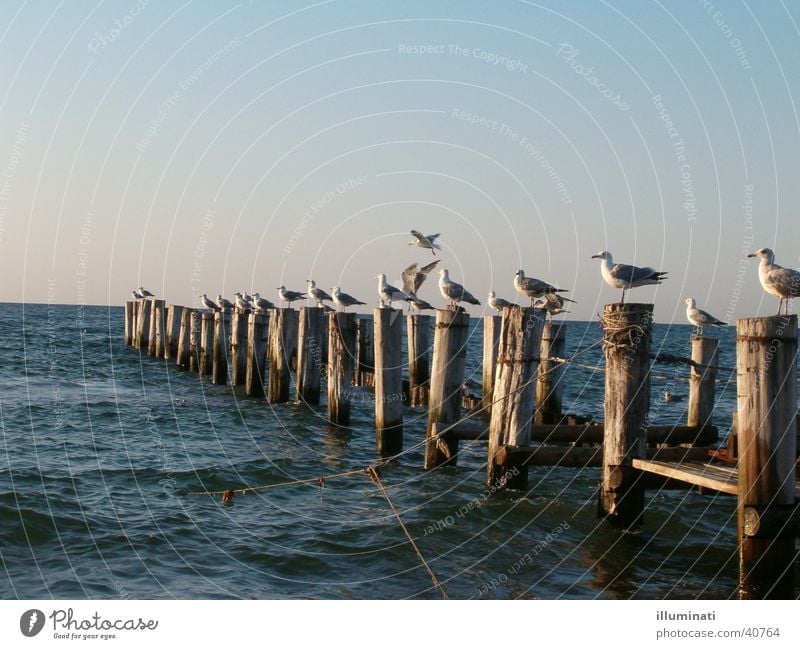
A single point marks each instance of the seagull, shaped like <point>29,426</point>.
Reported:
<point>317,293</point>
<point>783,283</point>
<point>210,304</point>
<point>261,303</point>
<point>136,294</point>
<point>413,277</point>
<point>624,276</point>
<point>672,398</point>
<point>241,303</point>
<point>700,318</point>
<point>453,291</point>
<point>497,303</point>
<point>423,241</point>
<point>222,303</point>
<point>553,304</point>
<point>532,287</point>
<point>290,296</point>
<point>144,292</point>
<point>388,292</point>
<point>344,300</point>
<point>416,303</point>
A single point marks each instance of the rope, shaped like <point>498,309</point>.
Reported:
<point>376,478</point>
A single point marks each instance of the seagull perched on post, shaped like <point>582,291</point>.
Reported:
<point>344,300</point>
<point>209,304</point>
<point>453,291</point>
<point>144,292</point>
<point>532,287</point>
<point>290,296</point>
<point>783,283</point>
<point>241,303</point>
<point>624,276</point>
<point>387,292</point>
<point>497,303</point>
<point>425,241</point>
<point>261,303</point>
<point>417,304</point>
<point>222,303</point>
<point>136,294</point>
<point>553,304</point>
<point>700,318</point>
<point>317,293</point>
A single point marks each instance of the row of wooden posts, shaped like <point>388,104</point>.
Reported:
<point>522,379</point>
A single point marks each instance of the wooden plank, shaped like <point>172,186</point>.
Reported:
<point>696,473</point>
<point>549,383</point>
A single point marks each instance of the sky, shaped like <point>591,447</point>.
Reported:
<point>210,147</point>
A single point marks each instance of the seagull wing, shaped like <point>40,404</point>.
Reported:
<point>409,277</point>
<point>784,280</point>
<point>419,236</point>
<point>634,274</point>
<point>708,319</point>
<point>429,267</point>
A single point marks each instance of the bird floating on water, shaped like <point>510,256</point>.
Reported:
<point>453,291</point>
<point>317,293</point>
<point>290,296</point>
<point>783,283</point>
<point>387,292</point>
<point>532,287</point>
<point>700,318</point>
<point>344,300</point>
<point>625,276</point>
<point>672,398</point>
<point>497,303</point>
<point>425,241</point>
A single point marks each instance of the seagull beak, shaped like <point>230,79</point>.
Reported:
<point>595,256</point>
<point>752,254</point>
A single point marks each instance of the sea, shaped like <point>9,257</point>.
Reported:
<point>107,455</point>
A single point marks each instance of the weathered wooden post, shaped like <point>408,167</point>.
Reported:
<point>310,348</point>
<point>766,366</point>
<point>182,350</point>
<point>447,376</point>
<point>219,363</point>
<point>514,392</point>
<point>548,385</point>
<point>388,337</point>
<point>173,331</point>
<point>626,342</point>
<point>130,321</point>
<point>418,332</point>
<point>156,343</point>
<point>341,361</point>
<point>257,341</point>
<point>365,353</point>
<point>491,340</point>
<point>702,380</point>
<point>238,333</point>
<point>282,346</point>
<point>142,341</point>
<point>194,341</point>
<point>206,343</point>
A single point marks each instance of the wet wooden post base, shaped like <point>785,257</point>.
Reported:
<point>238,333</point>
<point>310,349</point>
<point>514,393</point>
<point>447,376</point>
<point>184,338</point>
<point>257,342</point>
<point>219,363</point>
<point>388,337</point>
<point>491,339</point>
<point>365,356</point>
<point>156,342</point>
<point>626,341</point>
<point>549,383</point>
<point>702,380</point>
<point>282,347</point>
<point>130,321</point>
<point>144,312</point>
<point>173,331</point>
<point>341,361</point>
<point>418,332</point>
<point>766,365</point>
<point>206,343</point>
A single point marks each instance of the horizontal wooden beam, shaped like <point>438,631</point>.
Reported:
<point>572,456</point>
<point>711,476</point>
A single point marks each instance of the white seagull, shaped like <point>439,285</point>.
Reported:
<point>783,283</point>
<point>144,292</point>
<point>344,300</point>
<point>413,277</point>
<point>624,276</point>
<point>317,293</point>
<point>209,304</point>
<point>387,292</point>
<point>241,303</point>
<point>553,304</point>
<point>262,303</point>
<point>532,287</point>
<point>290,296</point>
<point>425,241</point>
<point>136,294</point>
<point>453,291</point>
<point>700,318</point>
<point>222,303</point>
<point>498,303</point>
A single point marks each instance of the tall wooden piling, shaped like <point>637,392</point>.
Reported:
<point>365,354</point>
<point>702,380</point>
<point>282,347</point>
<point>310,349</point>
<point>130,321</point>
<point>491,340</point>
<point>144,312</point>
<point>418,332</point>
<point>219,363</point>
<point>549,384</point>
<point>341,361</point>
<point>206,343</point>
<point>183,348</point>
<point>238,334</point>
<point>447,376</point>
<point>173,331</point>
<point>766,364</point>
<point>257,342</point>
<point>157,327</point>
<point>514,393</point>
<point>388,337</point>
<point>626,342</point>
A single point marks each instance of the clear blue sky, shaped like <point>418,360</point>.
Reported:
<point>213,147</point>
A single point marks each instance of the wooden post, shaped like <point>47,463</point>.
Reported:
<point>702,380</point>
<point>157,326</point>
<point>447,377</point>
<point>418,331</point>
<point>194,342</point>
<point>130,320</point>
<point>341,361</point>
<point>238,333</point>
<point>206,343</point>
<point>766,366</point>
<point>282,346</point>
<point>626,340</point>
<point>310,349</point>
<point>491,339</point>
<point>173,331</point>
<point>365,353</point>
<point>184,338</point>
<point>548,385</point>
<point>257,341</point>
<point>142,341</point>
<point>514,393</point>
<point>388,337</point>
<point>219,364</point>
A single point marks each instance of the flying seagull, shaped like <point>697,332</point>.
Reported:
<point>453,291</point>
<point>624,276</point>
<point>425,241</point>
<point>344,300</point>
<point>498,303</point>
<point>700,318</point>
<point>783,283</point>
<point>532,287</point>
<point>290,296</point>
<point>414,277</point>
<point>387,292</point>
